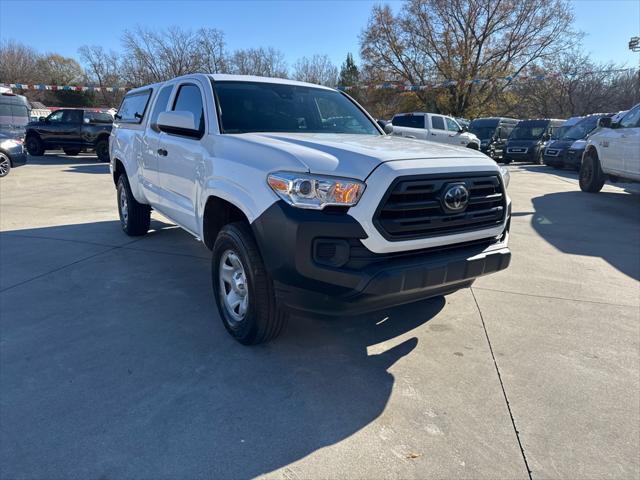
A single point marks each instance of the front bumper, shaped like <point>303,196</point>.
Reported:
<point>17,155</point>
<point>362,280</point>
<point>529,156</point>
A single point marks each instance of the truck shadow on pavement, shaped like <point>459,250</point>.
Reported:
<point>82,163</point>
<point>116,365</point>
<point>605,225</point>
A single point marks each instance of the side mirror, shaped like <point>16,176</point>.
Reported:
<point>42,119</point>
<point>179,123</point>
<point>388,129</point>
<point>605,122</point>
<point>546,136</point>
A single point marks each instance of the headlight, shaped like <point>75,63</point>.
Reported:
<point>10,144</point>
<point>506,176</point>
<point>315,191</point>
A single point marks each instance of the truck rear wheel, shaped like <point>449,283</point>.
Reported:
<point>135,217</point>
<point>591,175</point>
<point>35,146</point>
<point>243,288</point>
<point>102,150</point>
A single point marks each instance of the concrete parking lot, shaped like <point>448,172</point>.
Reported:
<point>114,363</point>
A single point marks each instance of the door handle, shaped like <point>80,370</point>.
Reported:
<point>433,134</point>
<point>162,152</point>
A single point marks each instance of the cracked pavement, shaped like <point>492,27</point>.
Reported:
<point>114,363</point>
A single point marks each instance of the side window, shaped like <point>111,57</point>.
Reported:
<point>452,125</point>
<point>189,99</point>
<point>55,117</point>
<point>162,102</point>
<point>411,121</point>
<point>437,123</point>
<point>133,107</point>
<point>72,116</point>
<point>631,119</point>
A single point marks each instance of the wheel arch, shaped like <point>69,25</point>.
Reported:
<point>217,213</point>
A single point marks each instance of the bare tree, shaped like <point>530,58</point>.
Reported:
<point>211,45</point>
<point>154,56</point>
<point>103,69</point>
<point>569,85</point>
<point>317,69</point>
<point>463,40</point>
<point>18,63</point>
<point>265,62</point>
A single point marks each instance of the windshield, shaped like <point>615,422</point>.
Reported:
<point>532,131</point>
<point>269,107</point>
<point>483,133</point>
<point>559,132</point>
<point>581,129</point>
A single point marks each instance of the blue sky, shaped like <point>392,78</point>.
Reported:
<point>297,28</point>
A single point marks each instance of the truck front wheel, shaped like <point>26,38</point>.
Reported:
<point>35,146</point>
<point>243,288</point>
<point>591,175</point>
<point>135,217</point>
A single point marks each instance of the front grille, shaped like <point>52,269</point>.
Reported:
<point>413,208</point>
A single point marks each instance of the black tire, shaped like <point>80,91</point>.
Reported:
<point>102,150</point>
<point>263,319</point>
<point>35,146</point>
<point>5,165</point>
<point>71,151</point>
<point>135,219</point>
<point>591,175</point>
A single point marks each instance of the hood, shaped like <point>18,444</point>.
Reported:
<point>523,143</point>
<point>356,156</point>
<point>560,144</point>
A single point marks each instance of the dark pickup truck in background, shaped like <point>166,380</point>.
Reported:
<point>73,130</point>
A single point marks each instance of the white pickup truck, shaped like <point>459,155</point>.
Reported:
<point>612,152</point>
<point>304,201</point>
<point>433,127</point>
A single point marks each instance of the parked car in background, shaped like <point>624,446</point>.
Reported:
<point>14,114</point>
<point>464,123</point>
<point>566,152</point>
<point>493,133</point>
<point>612,152</point>
<point>434,127</point>
<point>73,130</point>
<point>561,130</point>
<point>12,151</point>
<point>529,139</point>
<point>303,212</point>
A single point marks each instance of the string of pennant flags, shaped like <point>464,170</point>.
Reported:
<point>377,86</point>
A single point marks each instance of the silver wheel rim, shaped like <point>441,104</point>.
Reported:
<point>124,206</point>
<point>234,290</point>
<point>4,165</point>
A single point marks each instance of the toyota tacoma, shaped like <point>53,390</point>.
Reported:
<point>306,204</point>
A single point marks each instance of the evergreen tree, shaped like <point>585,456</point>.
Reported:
<point>349,74</point>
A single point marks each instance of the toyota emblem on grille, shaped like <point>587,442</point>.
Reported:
<point>456,198</point>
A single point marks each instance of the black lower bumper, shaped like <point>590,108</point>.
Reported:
<point>17,156</point>
<point>361,281</point>
<point>569,159</point>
